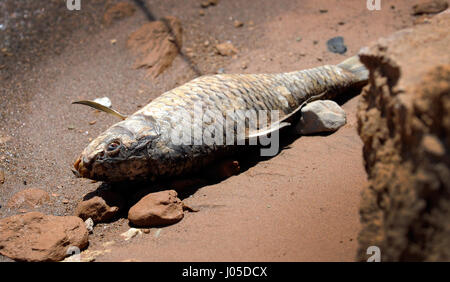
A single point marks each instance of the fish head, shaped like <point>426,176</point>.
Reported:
<point>121,152</point>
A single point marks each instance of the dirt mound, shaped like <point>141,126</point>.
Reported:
<point>404,122</point>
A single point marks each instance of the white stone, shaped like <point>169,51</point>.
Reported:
<point>89,225</point>
<point>131,233</point>
<point>321,116</point>
<point>105,101</point>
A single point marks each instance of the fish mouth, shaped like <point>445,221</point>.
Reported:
<point>81,168</point>
<point>76,165</point>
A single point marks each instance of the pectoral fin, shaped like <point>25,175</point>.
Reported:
<point>283,122</point>
<point>299,108</point>
<point>267,130</point>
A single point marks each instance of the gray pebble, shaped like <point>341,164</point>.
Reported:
<point>321,116</point>
<point>336,45</point>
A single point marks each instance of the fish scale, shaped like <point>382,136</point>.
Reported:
<point>173,114</point>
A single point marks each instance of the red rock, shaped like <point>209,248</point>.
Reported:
<point>156,44</point>
<point>238,24</point>
<point>226,49</point>
<point>431,7</point>
<point>28,198</point>
<point>160,208</point>
<point>38,237</point>
<point>101,206</point>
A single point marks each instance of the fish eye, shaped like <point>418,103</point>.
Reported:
<point>113,146</point>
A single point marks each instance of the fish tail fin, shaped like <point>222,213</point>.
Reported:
<point>354,65</point>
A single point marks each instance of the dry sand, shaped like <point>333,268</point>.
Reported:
<point>301,205</point>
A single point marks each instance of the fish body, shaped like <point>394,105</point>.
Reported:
<point>167,137</point>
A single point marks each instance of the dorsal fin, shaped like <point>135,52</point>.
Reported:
<point>100,107</point>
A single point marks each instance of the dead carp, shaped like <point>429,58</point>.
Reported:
<point>167,137</point>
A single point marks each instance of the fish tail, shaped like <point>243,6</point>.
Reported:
<point>354,65</point>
